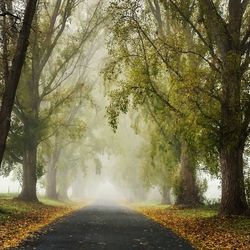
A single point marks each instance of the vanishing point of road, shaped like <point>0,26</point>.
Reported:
<point>105,226</point>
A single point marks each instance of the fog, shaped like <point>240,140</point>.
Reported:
<point>94,161</point>
<point>118,179</point>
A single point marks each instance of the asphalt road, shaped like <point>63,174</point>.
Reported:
<point>105,226</point>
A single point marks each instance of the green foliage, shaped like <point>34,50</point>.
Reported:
<point>159,161</point>
<point>50,91</point>
<point>40,168</point>
<point>119,104</point>
<point>147,73</point>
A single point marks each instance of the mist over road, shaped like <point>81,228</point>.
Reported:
<point>108,226</point>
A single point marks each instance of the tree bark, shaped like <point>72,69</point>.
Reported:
<point>232,141</point>
<point>14,75</point>
<point>233,199</point>
<point>165,195</point>
<point>28,192</point>
<point>51,171</point>
<point>63,184</point>
<point>188,191</point>
<point>30,147</point>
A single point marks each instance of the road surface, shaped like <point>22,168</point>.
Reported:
<point>105,226</point>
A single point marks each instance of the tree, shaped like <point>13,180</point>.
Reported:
<point>159,162</point>
<point>71,130</point>
<point>12,72</point>
<point>133,49</point>
<point>223,30</point>
<point>207,73</point>
<point>49,70</point>
<point>40,80</point>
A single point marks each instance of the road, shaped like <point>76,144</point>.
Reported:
<point>105,226</point>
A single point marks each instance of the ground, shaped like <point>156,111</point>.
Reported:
<point>202,227</point>
<point>58,225</point>
<point>106,226</point>
<point>19,220</point>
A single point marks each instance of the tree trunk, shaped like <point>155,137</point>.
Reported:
<point>28,192</point>
<point>51,170</point>
<point>14,75</point>
<point>188,191</point>
<point>51,173</point>
<point>165,195</point>
<point>232,139</point>
<point>63,192</point>
<point>30,147</point>
<point>233,199</point>
<point>232,134</point>
<point>64,184</point>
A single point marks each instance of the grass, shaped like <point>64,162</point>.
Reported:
<point>201,212</point>
<point>8,195</point>
<point>11,207</point>
<point>50,202</point>
<point>201,226</point>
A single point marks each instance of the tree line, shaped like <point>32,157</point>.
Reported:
<point>185,66</point>
<point>181,66</point>
<point>44,90</point>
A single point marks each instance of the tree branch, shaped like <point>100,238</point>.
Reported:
<point>209,46</point>
<point>7,13</point>
<point>157,51</point>
<point>154,90</point>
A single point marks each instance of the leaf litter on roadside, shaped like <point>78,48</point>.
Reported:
<point>17,226</point>
<point>203,232</point>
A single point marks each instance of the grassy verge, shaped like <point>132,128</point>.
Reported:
<point>19,220</point>
<point>201,226</point>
